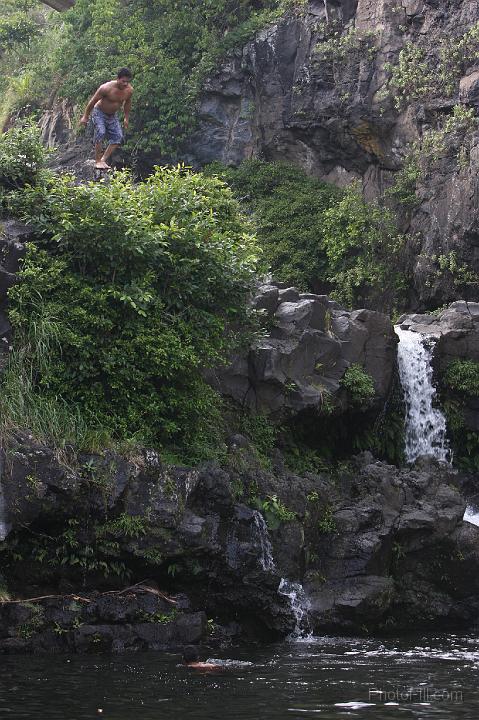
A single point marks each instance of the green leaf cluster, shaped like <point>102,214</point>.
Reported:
<point>318,237</point>
<point>463,376</point>
<point>359,385</point>
<point>22,157</point>
<point>137,288</point>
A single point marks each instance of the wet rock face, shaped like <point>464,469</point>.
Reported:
<point>284,97</point>
<point>375,547</point>
<point>311,343</point>
<point>397,558</point>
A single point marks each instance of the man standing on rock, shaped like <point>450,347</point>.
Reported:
<point>105,104</point>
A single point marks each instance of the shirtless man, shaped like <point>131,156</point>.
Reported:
<point>105,104</point>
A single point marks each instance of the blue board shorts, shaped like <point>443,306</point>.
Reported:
<point>106,127</point>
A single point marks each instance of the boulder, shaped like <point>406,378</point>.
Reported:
<point>310,345</point>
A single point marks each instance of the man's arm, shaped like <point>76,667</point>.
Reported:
<point>127,109</point>
<point>96,97</point>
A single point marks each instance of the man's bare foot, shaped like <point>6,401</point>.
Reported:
<point>102,165</point>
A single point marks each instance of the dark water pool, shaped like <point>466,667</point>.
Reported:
<point>422,677</point>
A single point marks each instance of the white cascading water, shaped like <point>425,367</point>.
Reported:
<point>300,606</point>
<point>472,515</point>
<point>425,424</point>
<point>266,558</point>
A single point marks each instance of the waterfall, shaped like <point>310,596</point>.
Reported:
<point>299,605</point>
<point>266,559</point>
<point>471,515</point>
<point>425,424</point>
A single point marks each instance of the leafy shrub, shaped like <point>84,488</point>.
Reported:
<point>22,156</point>
<point>463,376</point>
<point>359,385</point>
<point>275,511</point>
<point>317,237</point>
<point>362,246</point>
<point>133,276</point>
<point>288,209</point>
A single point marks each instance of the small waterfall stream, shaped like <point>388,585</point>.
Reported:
<point>299,607</point>
<point>425,424</point>
<point>266,559</point>
<point>294,592</point>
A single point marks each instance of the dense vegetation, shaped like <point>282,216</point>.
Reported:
<point>123,301</point>
<point>170,47</point>
<point>460,393</point>
<point>320,238</point>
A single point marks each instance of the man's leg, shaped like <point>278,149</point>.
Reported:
<point>108,153</point>
<point>98,152</point>
<point>98,120</point>
<point>114,135</point>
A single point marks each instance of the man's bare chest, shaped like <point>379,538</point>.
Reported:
<point>116,96</point>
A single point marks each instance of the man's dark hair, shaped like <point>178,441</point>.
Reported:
<point>190,654</point>
<point>124,73</point>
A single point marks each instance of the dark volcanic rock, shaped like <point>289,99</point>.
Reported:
<point>376,548</point>
<point>311,343</point>
<point>300,94</point>
<point>397,557</point>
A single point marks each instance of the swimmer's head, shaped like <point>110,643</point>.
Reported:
<point>190,654</point>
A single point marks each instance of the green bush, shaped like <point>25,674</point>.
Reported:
<point>363,251</point>
<point>320,238</point>
<point>22,156</point>
<point>359,385</point>
<point>463,376</point>
<point>288,209</point>
<point>132,279</point>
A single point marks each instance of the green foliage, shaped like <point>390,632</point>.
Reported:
<point>411,78</point>
<point>274,510</point>
<point>459,388</point>
<point>359,386</point>
<point>362,246</point>
<point>288,209</point>
<point>26,52</point>
<point>432,72</point>
<point>318,237</point>
<point>260,430</point>
<point>327,523</point>
<point>22,156</point>
<point>339,48</point>
<point>66,547</point>
<point>145,264</point>
<point>158,617</point>
<point>16,29</point>
<point>385,436</point>
<point>403,190</point>
<point>126,526</point>
<point>463,376</point>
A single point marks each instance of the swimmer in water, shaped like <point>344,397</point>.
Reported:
<point>191,659</point>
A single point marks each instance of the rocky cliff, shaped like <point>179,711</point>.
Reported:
<point>315,89</point>
<point>119,554</point>
<point>351,90</point>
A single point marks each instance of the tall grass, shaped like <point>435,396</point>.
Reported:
<point>26,406</point>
